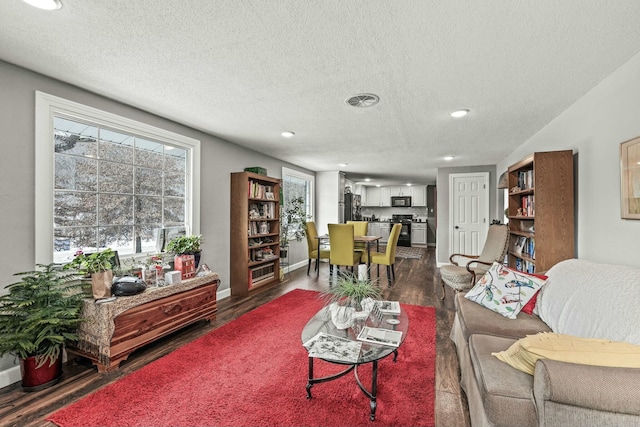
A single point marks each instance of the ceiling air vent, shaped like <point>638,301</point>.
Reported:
<point>363,100</point>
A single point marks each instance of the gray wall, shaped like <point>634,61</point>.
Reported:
<point>594,127</point>
<point>442,184</point>
<point>17,173</point>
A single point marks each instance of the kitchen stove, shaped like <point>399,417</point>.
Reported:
<point>405,231</point>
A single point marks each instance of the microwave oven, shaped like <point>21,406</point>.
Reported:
<point>401,201</point>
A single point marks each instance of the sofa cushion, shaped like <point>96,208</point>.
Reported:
<point>592,300</point>
<point>475,319</point>
<point>507,394</point>
<point>505,290</point>
<point>524,353</point>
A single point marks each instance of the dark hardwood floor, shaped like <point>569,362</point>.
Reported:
<point>417,282</point>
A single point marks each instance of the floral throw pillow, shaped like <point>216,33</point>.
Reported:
<point>504,290</point>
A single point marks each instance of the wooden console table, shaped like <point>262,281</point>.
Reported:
<point>111,331</point>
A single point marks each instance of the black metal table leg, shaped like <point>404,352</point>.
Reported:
<point>310,378</point>
<point>372,395</point>
<point>374,391</point>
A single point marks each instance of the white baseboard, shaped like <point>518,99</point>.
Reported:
<point>223,294</point>
<point>10,376</point>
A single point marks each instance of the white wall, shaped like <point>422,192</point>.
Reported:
<point>17,175</point>
<point>327,200</point>
<point>594,127</point>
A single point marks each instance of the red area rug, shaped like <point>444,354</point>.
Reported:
<point>253,372</point>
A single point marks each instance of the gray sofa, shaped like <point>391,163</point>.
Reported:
<point>581,298</point>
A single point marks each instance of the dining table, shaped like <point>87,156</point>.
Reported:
<point>360,239</point>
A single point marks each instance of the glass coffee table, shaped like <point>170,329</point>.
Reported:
<point>343,348</point>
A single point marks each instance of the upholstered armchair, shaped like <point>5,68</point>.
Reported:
<point>461,273</point>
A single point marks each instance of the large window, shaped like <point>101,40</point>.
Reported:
<point>297,184</point>
<point>114,183</point>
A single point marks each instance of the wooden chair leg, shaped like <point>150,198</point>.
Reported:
<point>443,292</point>
<point>389,274</point>
<point>393,272</point>
<point>309,266</point>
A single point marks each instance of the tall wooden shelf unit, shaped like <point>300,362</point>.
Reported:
<point>542,232</point>
<point>255,232</point>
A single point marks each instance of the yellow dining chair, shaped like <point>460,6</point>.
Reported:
<point>342,250</point>
<point>314,246</point>
<point>360,228</point>
<point>387,257</point>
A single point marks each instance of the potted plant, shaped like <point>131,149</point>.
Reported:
<point>183,247</point>
<point>98,265</point>
<point>349,295</point>
<point>292,219</point>
<point>38,316</point>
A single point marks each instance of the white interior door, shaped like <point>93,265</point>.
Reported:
<point>469,212</point>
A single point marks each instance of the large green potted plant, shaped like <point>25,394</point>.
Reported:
<point>38,316</point>
<point>293,217</point>
<point>98,265</point>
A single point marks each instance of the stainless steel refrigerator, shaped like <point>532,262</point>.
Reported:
<point>352,210</point>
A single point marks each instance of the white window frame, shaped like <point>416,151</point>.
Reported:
<point>312,187</point>
<point>47,106</point>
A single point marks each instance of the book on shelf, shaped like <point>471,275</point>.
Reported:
<point>519,244</point>
<point>389,307</point>
<point>326,346</point>
<point>380,336</point>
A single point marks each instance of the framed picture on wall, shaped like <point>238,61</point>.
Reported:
<point>630,178</point>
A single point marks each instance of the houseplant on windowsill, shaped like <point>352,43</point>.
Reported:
<point>292,219</point>
<point>98,266</point>
<point>38,316</point>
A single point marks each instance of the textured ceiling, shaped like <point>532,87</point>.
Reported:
<point>246,70</point>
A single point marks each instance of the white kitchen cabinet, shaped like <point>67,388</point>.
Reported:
<point>373,196</point>
<point>385,196</point>
<point>400,190</point>
<point>419,195</point>
<point>363,196</point>
<point>419,234</point>
<point>385,227</point>
<point>374,229</point>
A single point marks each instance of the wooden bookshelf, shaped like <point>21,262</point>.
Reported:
<point>255,232</point>
<point>541,211</point>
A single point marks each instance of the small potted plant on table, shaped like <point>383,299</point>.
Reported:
<point>38,316</point>
<point>99,266</point>
<point>348,296</point>
<point>187,246</point>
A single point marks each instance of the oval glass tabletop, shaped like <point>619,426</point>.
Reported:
<point>369,351</point>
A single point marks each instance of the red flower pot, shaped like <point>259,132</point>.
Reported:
<point>38,378</point>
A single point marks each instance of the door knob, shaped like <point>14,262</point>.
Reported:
<point>456,227</point>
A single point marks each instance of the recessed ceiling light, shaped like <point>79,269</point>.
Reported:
<point>367,179</point>
<point>45,4</point>
<point>408,184</point>
<point>460,113</point>
<point>448,158</point>
<point>377,185</point>
<point>287,134</point>
<point>343,164</point>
